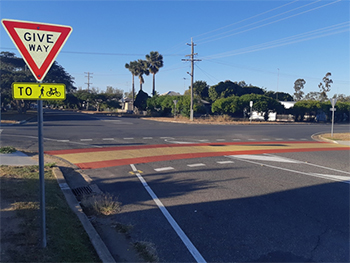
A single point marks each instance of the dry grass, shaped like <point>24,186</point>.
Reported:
<point>337,136</point>
<point>104,204</point>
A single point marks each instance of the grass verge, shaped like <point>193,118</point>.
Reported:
<point>20,222</point>
<point>7,149</point>
<point>337,136</point>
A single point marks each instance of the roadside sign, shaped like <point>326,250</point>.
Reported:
<point>38,91</point>
<point>38,43</point>
<point>333,101</point>
<point>251,103</point>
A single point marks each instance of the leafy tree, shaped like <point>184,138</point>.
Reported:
<point>142,68</point>
<point>201,89</point>
<point>229,106</point>
<point>298,86</point>
<point>282,96</point>
<point>155,62</point>
<point>313,96</point>
<point>141,100</point>
<point>224,90</point>
<point>326,87</point>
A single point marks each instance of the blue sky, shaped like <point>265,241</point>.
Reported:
<point>268,44</point>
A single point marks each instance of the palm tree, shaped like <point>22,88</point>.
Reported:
<point>142,68</point>
<point>132,67</point>
<point>155,62</point>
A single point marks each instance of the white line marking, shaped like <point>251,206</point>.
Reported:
<point>196,165</point>
<point>170,138</point>
<point>265,139</point>
<point>191,248</point>
<point>220,140</point>
<point>147,138</point>
<point>85,140</point>
<point>236,139</point>
<point>163,169</point>
<point>268,158</point>
<point>1,130</point>
<point>316,165</point>
<point>279,139</point>
<point>291,139</point>
<point>178,142</point>
<point>203,140</point>
<point>251,139</point>
<point>62,140</point>
<point>108,139</point>
<point>128,138</point>
<point>303,139</point>
<point>225,162</point>
<point>327,177</point>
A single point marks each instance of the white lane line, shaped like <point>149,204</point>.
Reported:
<point>147,138</point>
<point>62,140</point>
<point>342,179</point>
<point>265,139</point>
<point>178,142</point>
<point>279,139</point>
<point>303,139</point>
<point>85,140</point>
<point>236,139</point>
<point>196,164</point>
<point>191,248</point>
<point>128,138</point>
<point>269,158</point>
<point>225,162</point>
<point>163,169</point>
<point>203,140</point>
<point>170,138</point>
<point>251,139</point>
<point>108,139</point>
<point>291,139</point>
<point>220,140</point>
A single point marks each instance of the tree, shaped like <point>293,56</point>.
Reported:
<point>132,67</point>
<point>298,86</point>
<point>201,89</point>
<point>326,87</point>
<point>141,100</point>
<point>142,68</point>
<point>282,96</point>
<point>155,62</point>
<point>313,96</point>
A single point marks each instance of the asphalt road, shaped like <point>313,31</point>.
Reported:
<point>280,207</point>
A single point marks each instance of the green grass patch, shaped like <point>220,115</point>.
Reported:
<point>67,240</point>
<point>7,149</point>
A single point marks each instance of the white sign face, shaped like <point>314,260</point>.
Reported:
<point>251,103</point>
<point>333,101</point>
<point>38,43</point>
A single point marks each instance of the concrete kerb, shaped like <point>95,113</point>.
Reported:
<point>73,203</point>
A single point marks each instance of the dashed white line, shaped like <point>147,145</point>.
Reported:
<point>108,139</point>
<point>128,138</point>
<point>220,140</point>
<point>251,139</point>
<point>279,139</point>
<point>225,162</point>
<point>196,165</point>
<point>203,140</point>
<point>62,140</point>
<point>85,140</point>
<point>163,169</point>
<point>171,138</point>
<point>236,139</point>
<point>147,138</point>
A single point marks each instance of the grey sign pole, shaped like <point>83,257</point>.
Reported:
<point>333,101</point>
<point>41,173</point>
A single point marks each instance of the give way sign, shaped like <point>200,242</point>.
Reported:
<point>38,43</point>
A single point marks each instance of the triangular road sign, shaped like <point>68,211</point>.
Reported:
<point>38,43</point>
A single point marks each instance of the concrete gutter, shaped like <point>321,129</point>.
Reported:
<point>95,238</point>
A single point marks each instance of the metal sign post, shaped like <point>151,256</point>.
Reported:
<point>39,45</point>
<point>251,110</point>
<point>333,101</point>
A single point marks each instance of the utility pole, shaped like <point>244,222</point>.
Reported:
<point>88,77</point>
<point>192,59</point>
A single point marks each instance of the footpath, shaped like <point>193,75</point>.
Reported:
<point>110,248</point>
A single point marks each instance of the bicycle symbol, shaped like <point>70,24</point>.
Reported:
<point>52,92</point>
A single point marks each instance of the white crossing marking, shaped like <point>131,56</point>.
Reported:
<point>171,138</point>
<point>265,158</point>
<point>251,139</point>
<point>128,138</point>
<point>147,138</point>
<point>203,140</point>
<point>163,169</point>
<point>191,248</point>
<point>220,140</point>
<point>225,162</point>
<point>108,139</point>
<point>236,139</point>
<point>85,140</point>
<point>279,139</point>
<point>196,165</point>
<point>62,140</point>
<point>265,139</point>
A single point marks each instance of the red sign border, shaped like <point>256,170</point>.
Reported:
<point>39,73</point>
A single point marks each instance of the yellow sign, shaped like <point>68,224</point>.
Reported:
<point>38,91</point>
